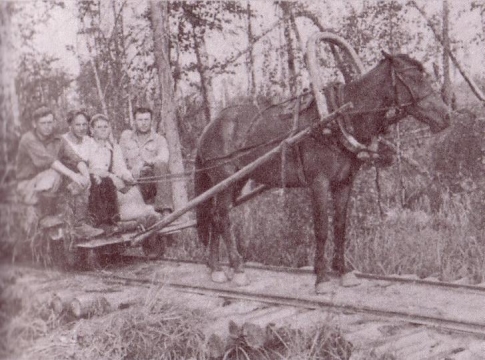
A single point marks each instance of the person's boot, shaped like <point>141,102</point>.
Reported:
<point>84,231</point>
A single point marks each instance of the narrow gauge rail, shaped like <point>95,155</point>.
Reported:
<point>392,278</point>
<point>436,319</point>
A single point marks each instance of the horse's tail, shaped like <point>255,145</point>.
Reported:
<point>203,211</point>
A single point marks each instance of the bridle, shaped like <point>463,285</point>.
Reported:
<point>396,75</point>
<point>395,112</point>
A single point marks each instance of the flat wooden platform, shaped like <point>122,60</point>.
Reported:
<point>125,238</point>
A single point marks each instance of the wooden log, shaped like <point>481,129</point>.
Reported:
<point>225,184</point>
<point>242,323</point>
<point>123,300</point>
<point>87,305</point>
<point>254,335</point>
<point>215,347</point>
<point>61,301</point>
<point>227,327</point>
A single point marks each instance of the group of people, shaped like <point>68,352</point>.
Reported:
<point>93,171</point>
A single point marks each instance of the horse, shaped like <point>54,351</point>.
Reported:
<point>396,87</point>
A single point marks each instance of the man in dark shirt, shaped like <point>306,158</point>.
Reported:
<point>44,158</point>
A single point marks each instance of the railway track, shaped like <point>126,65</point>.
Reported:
<point>406,279</point>
<point>413,319</point>
<point>268,286</point>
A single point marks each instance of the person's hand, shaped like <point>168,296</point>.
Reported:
<point>136,171</point>
<point>146,167</point>
<point>129,179</point>
<point>88,180</point>
<point>103,173</point>
<point>97,179</point>
<point>80,180</point>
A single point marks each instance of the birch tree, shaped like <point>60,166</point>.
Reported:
<point>9,107</point>
<point>161,33</point>
<point>446,90</point>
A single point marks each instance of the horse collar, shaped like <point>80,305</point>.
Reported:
<point>334,95</point>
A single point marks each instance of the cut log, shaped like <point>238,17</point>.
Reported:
<point>87,305</point>
<point>216,347</point>
<point>102,302</point>
<point>61,301</point>
<point>254,335</point>
<point>125,299</point>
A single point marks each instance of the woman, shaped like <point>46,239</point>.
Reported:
<point>108,173</point>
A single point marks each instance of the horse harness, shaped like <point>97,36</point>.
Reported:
<point>335,98</point>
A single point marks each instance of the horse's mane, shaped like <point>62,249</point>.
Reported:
<point>408,59</point>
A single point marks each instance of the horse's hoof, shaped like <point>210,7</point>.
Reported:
<point>229,273</point>
<point>349,280</point>
<point>323,287</point>
<point>219,276</point>
<point>240,279</point>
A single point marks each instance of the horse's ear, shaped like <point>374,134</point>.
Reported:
<point>386,54</point>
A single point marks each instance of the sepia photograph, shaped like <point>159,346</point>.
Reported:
<point>242,179</point>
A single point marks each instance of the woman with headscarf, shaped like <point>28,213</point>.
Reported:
<point>108,173</point>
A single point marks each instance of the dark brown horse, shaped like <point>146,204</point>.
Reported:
<point>324,163</point>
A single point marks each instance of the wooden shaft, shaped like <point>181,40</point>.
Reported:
<point>223,185</point>
<point>258,190</point>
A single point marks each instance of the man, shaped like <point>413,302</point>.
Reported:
<point>146,155</point>
<point>43,159</point>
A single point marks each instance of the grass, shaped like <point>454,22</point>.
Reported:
<point>160,328</point>
<point>277,229</point>
<point>447,244</point>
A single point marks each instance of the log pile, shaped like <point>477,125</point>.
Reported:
<point>257,340</point>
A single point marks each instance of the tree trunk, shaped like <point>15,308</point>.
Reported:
<point>9,107</point>
<point>205,78</point>
<point>161,31</point>
<point>446,89</point>
<point>99,87</point>
<point>290,56</point>
<point>250,58</point>
<point>473,86</point>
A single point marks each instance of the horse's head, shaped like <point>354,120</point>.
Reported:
<point>413,93</point>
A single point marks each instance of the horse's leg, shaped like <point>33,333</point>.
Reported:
<point>341,195</point>
<point>217,274</point>
<point>320,188</point>
<point>224,203</point>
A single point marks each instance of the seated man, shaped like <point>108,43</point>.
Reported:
<point>43,159</point>
<point>146,154</point>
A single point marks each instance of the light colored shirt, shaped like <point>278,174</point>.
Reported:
<point>82,148</point>
<point>102,156</point>
<point>136,153</point>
